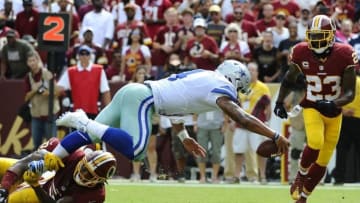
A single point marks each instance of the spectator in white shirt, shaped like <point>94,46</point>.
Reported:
<point>102,23</point>
<point>280,32</point>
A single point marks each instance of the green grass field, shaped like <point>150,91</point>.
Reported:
<point>125,192</point>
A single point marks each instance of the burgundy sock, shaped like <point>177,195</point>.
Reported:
<point>8,180</point>
<point>309,156</point>
<point>315,174</point>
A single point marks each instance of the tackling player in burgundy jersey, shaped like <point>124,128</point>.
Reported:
<point>328,69</point>
<point>80,181</point>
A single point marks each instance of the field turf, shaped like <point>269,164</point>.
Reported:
<point>122,191</point>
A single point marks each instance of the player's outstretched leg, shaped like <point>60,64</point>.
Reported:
<point>77,119</point>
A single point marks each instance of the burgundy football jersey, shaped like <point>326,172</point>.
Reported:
<point>323,78</point>
<point>63,184</point>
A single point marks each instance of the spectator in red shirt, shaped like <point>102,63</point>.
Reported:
<point>289,7</point>
<point>84,9</point>
<point>185,32</point>
<point>268,20</point>
<point>249,31</point>
<point>202,50</point>
<point>86,82</point>
<point>235,48</point>
<point>164,41</point>
<point>114,68</point>
<point>27,21</point>
<point>154,11</point>
<point>244,4</point>
<point>342,10</point>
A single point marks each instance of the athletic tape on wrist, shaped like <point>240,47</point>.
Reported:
<point>276,137</point>
<point>183,134</point>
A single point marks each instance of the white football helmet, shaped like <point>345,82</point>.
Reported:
<point>237,73</point>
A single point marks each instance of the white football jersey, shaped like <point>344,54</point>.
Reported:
<point>190,92</point>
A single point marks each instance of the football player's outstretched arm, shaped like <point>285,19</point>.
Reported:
<point>348,86</point>
<point>250,122</point>
<point>189,143</point>
<point>14,173</point>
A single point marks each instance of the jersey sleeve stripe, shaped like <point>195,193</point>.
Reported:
<point>226,91</point>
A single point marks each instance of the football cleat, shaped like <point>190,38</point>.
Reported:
<point>77,119</point>
<point>297,186</point>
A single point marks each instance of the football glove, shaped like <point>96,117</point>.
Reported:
<point>327,108</point>
<point>37,167</point>
<point>31,178</point>
<point>280,110</point>
<point>52,162</point>
<point>3,195</point>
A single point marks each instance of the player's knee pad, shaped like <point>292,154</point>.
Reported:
<point>295,153</point>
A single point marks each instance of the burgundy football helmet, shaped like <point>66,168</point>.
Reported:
<point>320,34</point>
<point>96,167</point>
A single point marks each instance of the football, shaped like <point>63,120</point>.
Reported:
<point>267,149</point>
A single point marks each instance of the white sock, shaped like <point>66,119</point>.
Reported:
<point>96,129</point>
<point>60,151</point>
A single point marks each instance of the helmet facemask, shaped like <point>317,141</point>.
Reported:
<point>85,172</point>
<point>240,87</point>
<point>319,40</point>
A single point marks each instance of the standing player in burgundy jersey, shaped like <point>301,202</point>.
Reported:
<point>329,73</point>
<point>82,180</point>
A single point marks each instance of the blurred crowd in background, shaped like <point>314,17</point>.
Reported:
<point>131,41</point>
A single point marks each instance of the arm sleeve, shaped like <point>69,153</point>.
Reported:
<point>223,91</point>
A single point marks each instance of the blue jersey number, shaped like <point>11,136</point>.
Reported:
<point>174,77</point>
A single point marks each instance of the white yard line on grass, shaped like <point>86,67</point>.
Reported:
<point>352,186</point>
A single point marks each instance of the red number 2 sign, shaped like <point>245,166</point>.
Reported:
<point>55,33</point>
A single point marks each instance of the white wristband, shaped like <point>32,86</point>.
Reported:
<point>183,134</point>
